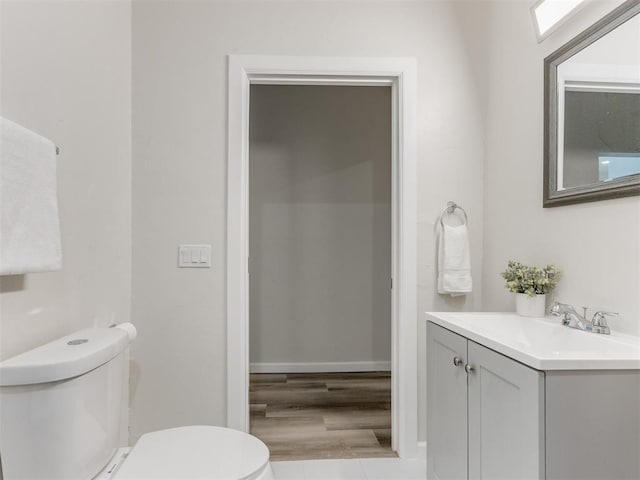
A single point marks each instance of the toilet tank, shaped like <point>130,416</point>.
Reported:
<point>63,405</point>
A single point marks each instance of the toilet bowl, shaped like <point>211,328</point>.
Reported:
<point>63,404</point>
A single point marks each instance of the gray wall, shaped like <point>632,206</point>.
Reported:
<point>597,122</point>
<point>320,223</point>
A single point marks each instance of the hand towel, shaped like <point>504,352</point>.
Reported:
<point>454,261</point>
<point>29,222</point>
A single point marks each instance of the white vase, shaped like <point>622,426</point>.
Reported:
<point>531,306</point>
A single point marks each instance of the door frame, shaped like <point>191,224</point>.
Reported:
<point>400,75</point>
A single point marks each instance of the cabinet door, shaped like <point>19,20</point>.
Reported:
<point>446,405</point>
<point>506,417</point>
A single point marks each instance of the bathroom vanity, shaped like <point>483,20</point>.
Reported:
<point>527,398</point>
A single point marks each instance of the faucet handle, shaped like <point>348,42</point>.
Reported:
<point>557,307</point>
<point>599,322</point>
<point>601,315</point>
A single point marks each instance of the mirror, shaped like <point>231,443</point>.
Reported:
<point>592,112</point>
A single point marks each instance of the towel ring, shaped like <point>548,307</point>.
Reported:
<point>451,208</point>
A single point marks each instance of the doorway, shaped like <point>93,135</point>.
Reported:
<point>399,74</point>
<point>320,270</point>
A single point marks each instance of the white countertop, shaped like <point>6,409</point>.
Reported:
<point>543,343</point>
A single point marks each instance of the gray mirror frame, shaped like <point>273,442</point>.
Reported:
<point>589,193</point>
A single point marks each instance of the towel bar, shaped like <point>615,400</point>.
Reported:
<point>451,208</point>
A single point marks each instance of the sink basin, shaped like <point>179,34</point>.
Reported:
<point>543,343</point>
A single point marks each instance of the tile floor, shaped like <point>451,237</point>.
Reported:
<point>352,469</point>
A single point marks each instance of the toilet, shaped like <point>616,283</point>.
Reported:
<point>63,412</point>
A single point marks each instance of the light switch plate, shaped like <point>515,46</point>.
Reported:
<point>194,256</point>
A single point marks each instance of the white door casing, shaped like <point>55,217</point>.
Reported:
<point>400,75</point>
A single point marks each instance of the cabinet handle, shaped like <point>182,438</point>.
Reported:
<point>468,368</point>
<point>457,361</point>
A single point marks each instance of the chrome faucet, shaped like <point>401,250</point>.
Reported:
<point>572,319</point>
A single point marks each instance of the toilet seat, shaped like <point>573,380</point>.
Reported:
<point>202,452</point>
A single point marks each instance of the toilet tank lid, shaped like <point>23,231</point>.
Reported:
<point>67,357</point>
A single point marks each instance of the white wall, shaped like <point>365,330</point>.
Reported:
<point>66,73</point>
<point>320,224</point>
<point>179,131</point>
<point>597,245</point>
<point>618,49</point>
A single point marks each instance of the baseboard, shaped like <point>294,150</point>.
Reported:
<point>318,367</point>
<point>422,450</point>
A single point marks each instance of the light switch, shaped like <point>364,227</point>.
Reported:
<point>185,256</point>
<point>194,256</point>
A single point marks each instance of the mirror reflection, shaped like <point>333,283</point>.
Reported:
<point>599,110</point>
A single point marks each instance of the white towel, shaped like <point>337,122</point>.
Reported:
<point>454,261</point>
<point>29,222</point>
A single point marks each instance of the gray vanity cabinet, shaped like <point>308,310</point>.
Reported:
<point>446,404</point>
<point>485,412</point>
<point>506,417</point>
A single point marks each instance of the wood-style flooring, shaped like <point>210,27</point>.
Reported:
<point>303,416</point>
